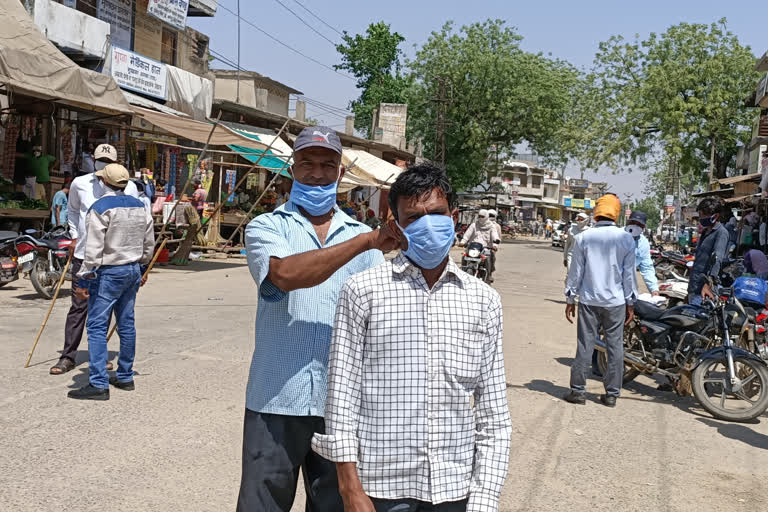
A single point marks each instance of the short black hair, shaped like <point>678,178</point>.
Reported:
<point>710,206</point>
<point>417,181</point>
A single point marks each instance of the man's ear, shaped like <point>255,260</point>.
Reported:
<point>455,215</point>
<point>342,170</point>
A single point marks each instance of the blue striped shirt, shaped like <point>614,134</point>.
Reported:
<point>289,368</point>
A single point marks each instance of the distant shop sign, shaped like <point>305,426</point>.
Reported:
<point>138,73</point>
<point>119,15</point>
<point>669,200</point>
<point>173,12</point>
<point>573,202</point>
<point>579,183</point>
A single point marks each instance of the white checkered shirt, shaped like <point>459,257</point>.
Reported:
<point>406,363</point>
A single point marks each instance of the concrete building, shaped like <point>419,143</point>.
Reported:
<point>535,190</point>
<point>255,91</point>
<point>758,146</point>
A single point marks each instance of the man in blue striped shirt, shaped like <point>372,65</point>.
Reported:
<point>300,255</point>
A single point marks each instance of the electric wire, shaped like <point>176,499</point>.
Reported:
<point>313,29</point>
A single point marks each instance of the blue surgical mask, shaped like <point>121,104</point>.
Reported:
<point>708,221</point>
<point>429,240</point>
<point>634,230</point>
<point>315,200</point>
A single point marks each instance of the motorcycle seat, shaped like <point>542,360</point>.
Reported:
<point>51,244</point>
<point>8,235</point>
<point>648,311</point>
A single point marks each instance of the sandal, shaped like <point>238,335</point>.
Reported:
<point>63,366</point>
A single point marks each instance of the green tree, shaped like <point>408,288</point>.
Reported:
<point>670,96</point>
<point>374,59</point>
<point>650,206</point>
<point>498,97</point>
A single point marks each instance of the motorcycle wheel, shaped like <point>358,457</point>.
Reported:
<point>43,281</point>
<point>630,372</point>
<point>712,389</point>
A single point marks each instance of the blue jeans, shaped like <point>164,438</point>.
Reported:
<point>113,289</point>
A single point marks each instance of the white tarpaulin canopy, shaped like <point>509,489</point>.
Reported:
<point>189,93</point>
<point>369,167</point>
<point>32,65</point>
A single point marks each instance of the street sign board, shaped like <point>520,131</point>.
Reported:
<point>138,73</point>
<point>669,200</point>
<point>579,183</point>
<point>173,12</point>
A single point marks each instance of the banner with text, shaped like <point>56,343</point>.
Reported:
<point>119,15</point>
<point>139,74</point>
<point>173,12</point>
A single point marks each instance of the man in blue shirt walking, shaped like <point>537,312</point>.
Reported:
<point>635,227</point>
<point>602,275</point>
<point>300,255</point>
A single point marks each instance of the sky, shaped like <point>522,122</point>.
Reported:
<point>565,29</point>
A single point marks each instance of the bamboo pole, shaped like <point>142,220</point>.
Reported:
<point>50,308</point>
<point>146,273</point>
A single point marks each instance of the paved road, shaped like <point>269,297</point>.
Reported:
<point>174,443</point>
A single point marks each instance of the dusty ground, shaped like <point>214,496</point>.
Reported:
<point>174,443</point>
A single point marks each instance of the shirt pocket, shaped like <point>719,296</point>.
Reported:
<point>460,355</point>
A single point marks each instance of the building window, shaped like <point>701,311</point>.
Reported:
<point>168,49</point>
<point>523,180</point>
<point>536,182</point>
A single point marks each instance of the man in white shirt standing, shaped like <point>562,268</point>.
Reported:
<point>416,415</point>
<point>83,192</point>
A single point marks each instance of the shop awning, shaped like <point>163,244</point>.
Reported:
<point>197,130</point>
<point>267,137</point>
<point>369,167</point>
<point>31,65</point>
<point>268,161</point>
<point>141,101</point>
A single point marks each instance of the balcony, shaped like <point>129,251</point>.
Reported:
<point>530,191</point>
<point>76,34</point>
<point>202,8</point>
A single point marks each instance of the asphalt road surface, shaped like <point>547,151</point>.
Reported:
<point>174,443</point>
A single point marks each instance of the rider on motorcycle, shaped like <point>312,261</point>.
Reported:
<point>484,231</point>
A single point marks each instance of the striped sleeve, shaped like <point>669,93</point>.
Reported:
<point>264,240</point>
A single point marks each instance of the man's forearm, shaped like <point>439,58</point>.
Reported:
<point>311,268</point>
<point>349,481</point>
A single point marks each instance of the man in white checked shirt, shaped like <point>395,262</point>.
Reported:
<point>416,417</point>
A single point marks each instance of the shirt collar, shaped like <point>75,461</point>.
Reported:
<point>403,266</point>
<point>605,223</point>
<point>292,210</point>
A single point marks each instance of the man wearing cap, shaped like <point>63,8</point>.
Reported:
<point>636,227</point>
<point>602,275</point>
<point>83,192</point>
<point>299,256</point>
<point>581,225</point>
<point>119,242</point>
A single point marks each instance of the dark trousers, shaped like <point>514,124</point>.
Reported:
<point>274,448</point>
<point>418,506</point>
<point>590,321</point>
<point>78,312</point>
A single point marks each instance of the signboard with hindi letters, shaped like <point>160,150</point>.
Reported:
<point>137,73</point>
<point>119,15</point>
<point>173,12</point>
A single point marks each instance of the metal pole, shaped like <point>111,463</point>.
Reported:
<point>237,100</point>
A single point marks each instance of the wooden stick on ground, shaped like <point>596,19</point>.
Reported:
<point>146,273</point>
<point>50,308</point>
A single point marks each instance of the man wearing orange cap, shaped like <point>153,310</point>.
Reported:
<point>602,275</point>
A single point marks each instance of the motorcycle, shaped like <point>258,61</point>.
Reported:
<point>675,289</point>
<point>696,348</point>
<point>44,258</point>
<point>669,262</point>
<point>475,261</point>
<point>9,268</point>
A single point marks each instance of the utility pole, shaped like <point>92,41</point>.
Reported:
<point>237,100</point>
<point>442,103</point>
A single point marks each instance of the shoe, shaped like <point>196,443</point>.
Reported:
<point>575,398</point>
<point>125,386</point>
<point>89,393</point>
<point>608,400</point>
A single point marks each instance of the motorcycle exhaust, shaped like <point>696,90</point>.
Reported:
<point>637,362</point>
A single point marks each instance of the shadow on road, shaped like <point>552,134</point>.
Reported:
<point>542,386</point>
<point>556,301</point>
<point>738,432</point>
<point>203,265</point>
<point>565,361</point>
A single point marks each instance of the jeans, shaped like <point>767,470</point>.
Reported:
<point>113,289</point>
<point>275,447</point>
<point>695,299</point>
<point>590,320</point>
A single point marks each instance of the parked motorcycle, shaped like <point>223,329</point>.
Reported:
<point>669,262</point>
<point>696,348</point>
<point>475,261</point>
<point>9,268</point>
<point>44,257</point>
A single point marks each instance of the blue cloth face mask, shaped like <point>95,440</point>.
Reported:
<point>429,240</point>
<point>315,200</point>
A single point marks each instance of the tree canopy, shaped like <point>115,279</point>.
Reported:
<point>374,59</point>
<point>672,95</point>
<point>498,97</point>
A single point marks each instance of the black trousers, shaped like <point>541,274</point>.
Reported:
<point>274,448</point>
<point>78,312</point>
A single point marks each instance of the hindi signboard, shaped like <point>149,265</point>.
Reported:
<point>173,12</point>
<point>140,74</point>
<point>119,15</point>
<point>579,183</point>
